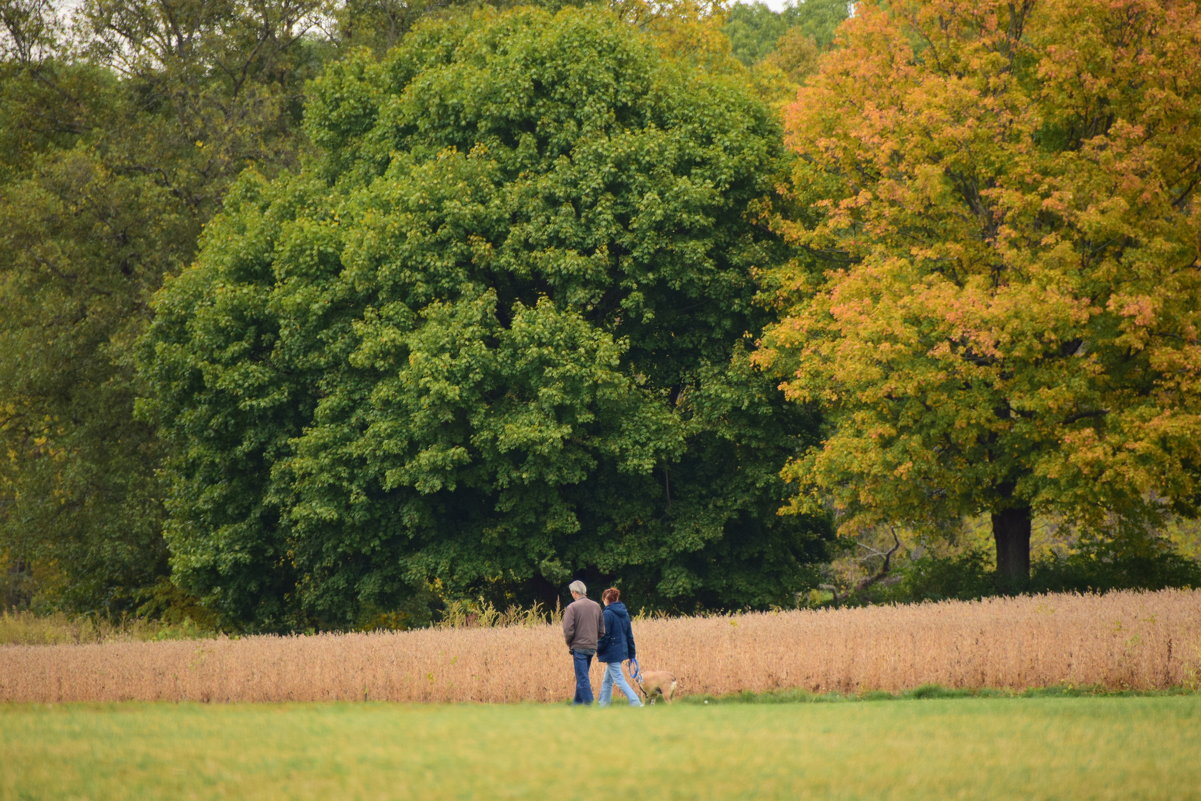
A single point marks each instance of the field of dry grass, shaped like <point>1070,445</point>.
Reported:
<point>1139,641</point>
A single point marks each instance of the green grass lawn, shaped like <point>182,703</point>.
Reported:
<point>967,748</point>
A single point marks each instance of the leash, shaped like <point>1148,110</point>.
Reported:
<point>635,671</point>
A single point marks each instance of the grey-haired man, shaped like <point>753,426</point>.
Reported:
<point>583,626</point>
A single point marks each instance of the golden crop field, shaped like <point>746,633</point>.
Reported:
<point>1138,641</point>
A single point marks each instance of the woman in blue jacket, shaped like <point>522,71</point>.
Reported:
<point>615,647</point>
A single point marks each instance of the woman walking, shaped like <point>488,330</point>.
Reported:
<point>615,647</point>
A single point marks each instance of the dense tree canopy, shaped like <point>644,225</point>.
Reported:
<point>1000,299</point>
<point>782,47</point>
<point>481,324</point>
<point>493,334</point>
<point>754,29</point>
<point>119,138</point>
<point>117,143</point>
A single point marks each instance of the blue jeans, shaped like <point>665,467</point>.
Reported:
<point>613,675</point>
<point>583,687</point>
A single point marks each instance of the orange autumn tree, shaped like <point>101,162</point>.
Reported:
<point>998,300</point>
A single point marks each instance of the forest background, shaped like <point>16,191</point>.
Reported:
<point>342,315</point>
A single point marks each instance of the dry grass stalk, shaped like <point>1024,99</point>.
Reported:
<point>28,628</point>
<point>1122,640</point>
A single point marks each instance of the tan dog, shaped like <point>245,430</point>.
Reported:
<point>657,684</point>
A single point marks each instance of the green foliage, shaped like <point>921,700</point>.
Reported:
<point>1129,563</point>
<point>963,577</point>
<point>1099,564</point>
<point>112,156</point>
<point>57,628</point>
<point>76,479</point>
<point>48,106</point>
<point>755,30</point>
<point>381,24</point>
<point>492,334</point>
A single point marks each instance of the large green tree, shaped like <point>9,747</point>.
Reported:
<point>493,334</point>
<point>999,298</point>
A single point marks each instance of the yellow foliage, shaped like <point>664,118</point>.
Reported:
<point>999,303</point>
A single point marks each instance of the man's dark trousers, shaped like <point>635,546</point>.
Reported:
<point>583,687</point>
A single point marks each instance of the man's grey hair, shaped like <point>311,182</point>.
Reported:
<point>578,588</point>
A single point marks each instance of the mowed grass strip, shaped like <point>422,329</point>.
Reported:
<point>976,748</point>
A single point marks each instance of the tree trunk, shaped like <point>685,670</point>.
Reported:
<point>16,586</point>
<point>1011,532</point>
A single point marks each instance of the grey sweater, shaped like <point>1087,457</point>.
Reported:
<point>583,625</point>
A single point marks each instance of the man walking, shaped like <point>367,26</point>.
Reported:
<point>583,626</point>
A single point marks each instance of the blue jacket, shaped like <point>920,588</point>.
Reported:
<point>618,643</point>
